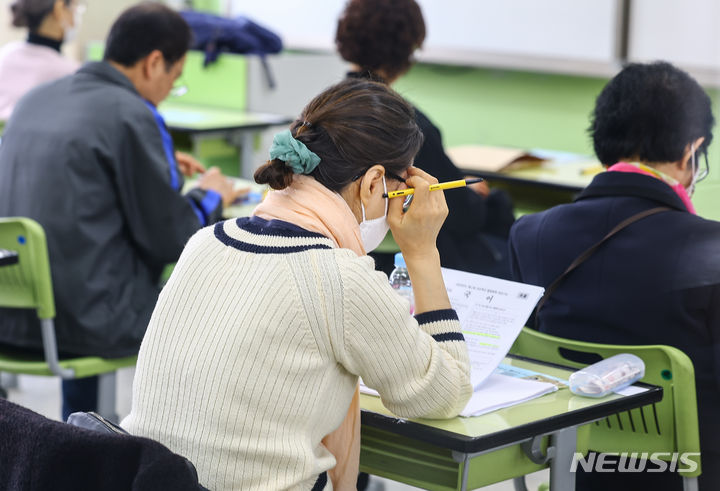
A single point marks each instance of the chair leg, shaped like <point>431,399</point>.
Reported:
<point>106,397</point>
<point>690,484</point>
<point>9,380</point>
<point>519,484</point>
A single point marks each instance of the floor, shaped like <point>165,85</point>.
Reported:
<point>42,394</point>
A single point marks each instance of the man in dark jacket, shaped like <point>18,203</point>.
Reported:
<point>658,280</point>
<point>89,157</point>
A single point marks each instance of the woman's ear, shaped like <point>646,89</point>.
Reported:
<point>372,182</point>
<point>690,148</point>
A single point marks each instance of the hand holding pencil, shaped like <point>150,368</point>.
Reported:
<point>415,229</point>
<point>434,187</point>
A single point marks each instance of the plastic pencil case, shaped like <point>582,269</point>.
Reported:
<point>609,375</point>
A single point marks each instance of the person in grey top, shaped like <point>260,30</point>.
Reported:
<point>89,158</point>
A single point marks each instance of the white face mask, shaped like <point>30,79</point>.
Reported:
<point>69,34</point>
<point>691,188</point>
<point>372,232</point>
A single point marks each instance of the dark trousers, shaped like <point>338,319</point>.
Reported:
<point>79,394</point>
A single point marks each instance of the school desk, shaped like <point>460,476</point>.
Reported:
<point>467,453</point>
<point>238,127</point>
<point>534,184</point>
<point>242,207</point>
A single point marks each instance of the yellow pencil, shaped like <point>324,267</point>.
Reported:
<point>433,187</point>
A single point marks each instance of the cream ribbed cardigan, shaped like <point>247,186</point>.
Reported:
<point>255,346</point>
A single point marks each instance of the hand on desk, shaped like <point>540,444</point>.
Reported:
<point>213,179</point>
<point>188,164</point>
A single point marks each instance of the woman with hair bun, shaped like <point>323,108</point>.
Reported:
<point>379,38</point>
<point>27,64</point>
<point>250,364</point>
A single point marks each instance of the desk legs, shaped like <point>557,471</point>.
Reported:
<point>559,453</point>
<point>565,444</point>
<point>465,471</point>
<point>106,397</point>
<point>247,154</point>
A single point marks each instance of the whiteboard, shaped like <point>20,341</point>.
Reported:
<point>460,31</point>
<point>686,33</point>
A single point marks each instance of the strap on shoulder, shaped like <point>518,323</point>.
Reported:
<point>591,250</point>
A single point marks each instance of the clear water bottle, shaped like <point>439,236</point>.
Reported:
<point>400,281</point>
<point>610,375</point>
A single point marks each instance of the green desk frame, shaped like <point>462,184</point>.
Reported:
<point>467,453</point>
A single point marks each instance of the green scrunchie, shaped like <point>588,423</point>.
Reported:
<point>294,153</point>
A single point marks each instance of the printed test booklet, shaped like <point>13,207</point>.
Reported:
<point>492,313</point>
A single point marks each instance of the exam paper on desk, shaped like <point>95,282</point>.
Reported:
<point>492,312</point>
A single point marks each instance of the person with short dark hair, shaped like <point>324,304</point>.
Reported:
<point>135,35</point>
<point>657,281</point>
<point>379,38</point>
<point>27,64</point>
<point>89,157</point>
<point>250,365</point>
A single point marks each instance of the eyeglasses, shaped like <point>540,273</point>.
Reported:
<point>391,175</point>
<point>179,88</point>
<point>703,172</point>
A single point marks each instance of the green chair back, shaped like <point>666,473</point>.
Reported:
<point>670,425</point>
<point>27,284</point>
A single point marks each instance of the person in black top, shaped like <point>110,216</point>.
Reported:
<point>379,38</point>
<point>656,281</point>
<point>27,64</point>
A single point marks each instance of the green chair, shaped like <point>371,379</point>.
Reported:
<point>668,426</point>
<point>28,284</point>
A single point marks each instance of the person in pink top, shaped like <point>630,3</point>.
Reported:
<point>27,64</point>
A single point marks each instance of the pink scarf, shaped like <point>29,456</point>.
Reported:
<point>312,206</point>
<point>649,171</point>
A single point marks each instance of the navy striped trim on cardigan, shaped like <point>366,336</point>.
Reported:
<point>436,316</point>
<point>271,229</point>
<point>321,482</point>
<point>439,316</point>
<point>448,336</point>
<point>277,228</point>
